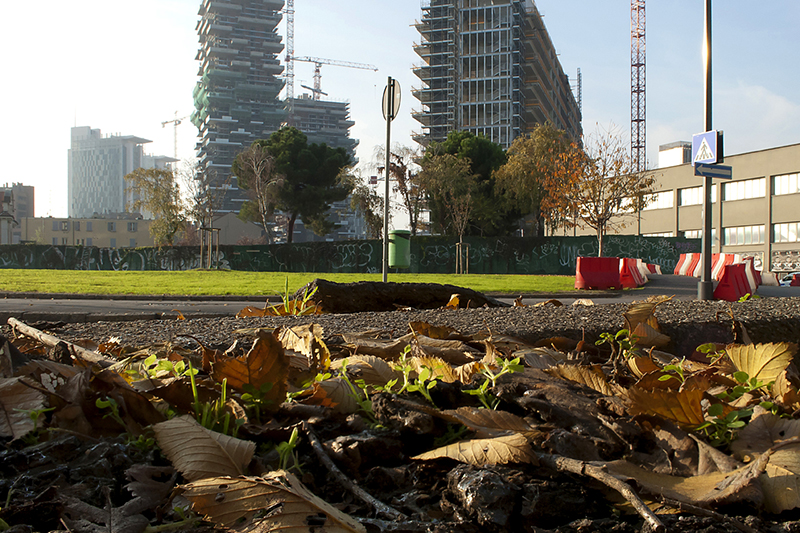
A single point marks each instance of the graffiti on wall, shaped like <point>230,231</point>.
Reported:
<point>551,255</point>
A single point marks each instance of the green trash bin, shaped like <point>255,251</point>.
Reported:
<point>400,248</point>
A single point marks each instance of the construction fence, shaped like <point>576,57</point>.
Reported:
<point>549,255</point>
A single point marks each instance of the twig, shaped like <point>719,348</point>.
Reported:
<point>565,464</point>
<point>360,493</point>
<point>51,341</point>
<point>700,511</point>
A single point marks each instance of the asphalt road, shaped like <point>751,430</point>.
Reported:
<point>81,308</point>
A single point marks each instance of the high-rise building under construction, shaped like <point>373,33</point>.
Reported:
<point>236,97</point>
<point>489,68</point>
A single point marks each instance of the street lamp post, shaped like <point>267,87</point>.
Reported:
<point>705,289</point>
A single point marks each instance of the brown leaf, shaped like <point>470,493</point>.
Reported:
<point>764,431</point>
<point>641,366</point>
<point>682,407</point>
<point>765,362</point>
<point>434,332</point>
<point>591,376</point>
<point>266,362</point>
<point>197,452</point>
<point>495,451</point>
<point>17,401</point>
<point>464,373</point>
<point>541,357</point>
<point>293,508</point>
<point>453,303</point>
<point>653,381</point>
<point>781,479</point>
<point>647,335</point>
<point>334,393</point>
<point>487,423</point>
<point>307,340</point>
<point>373,370</point>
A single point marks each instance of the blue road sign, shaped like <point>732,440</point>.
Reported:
<point>713,171</point>
<point>704,147</point>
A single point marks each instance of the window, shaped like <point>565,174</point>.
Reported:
<point>112,226</point>
<point>743,190</point>
<point>55,241</point>
<point>63,240</point>
<point>56,226</point>
<point>132,227</point>
<point>698,234</point>
<point>659,200</point>
<point>665,234</point>
<point>694,195</point>
<point>80,242</point>
<point>64,225</point>
<point>89,241</point>
<point>89,225</point>
<point>789,232</point>
<point>786,184</point>
<point>113,243</point>
<point>744,235</point>
<point>76,225</point>
<point>132,243</point>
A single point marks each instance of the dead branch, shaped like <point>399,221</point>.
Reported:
<point>51,341</point>
<point>700,511</point>
<point>582,468</point>
<point>360,493</point>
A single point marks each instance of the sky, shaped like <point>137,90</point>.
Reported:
<point>126,67</point>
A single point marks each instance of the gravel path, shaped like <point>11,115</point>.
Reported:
<point>689,323</point>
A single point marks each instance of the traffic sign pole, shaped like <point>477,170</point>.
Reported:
<point>705,289</point>
<point>390,107</point>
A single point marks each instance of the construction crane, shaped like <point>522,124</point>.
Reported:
<point>176,121</point>
<point>318,62</point>
<point>638,101</point>
<point>290,60</point>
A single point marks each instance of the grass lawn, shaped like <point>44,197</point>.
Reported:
<point>199,282</point>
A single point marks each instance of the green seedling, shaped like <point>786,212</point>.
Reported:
<point>710,349</point>
<point>721,430</point>
<point>423,384</point>
<point>287,452</point>
<point>623,344</point>
<point>359,394</point>
<point>255,399</point>
<point>674,371</point>
<point>482,392</point>
<point>113,406</point>
<point>744,385</point>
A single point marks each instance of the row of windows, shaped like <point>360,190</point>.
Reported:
<point>742,190</point>
<point>659,200</point>
<point>744,235</point>
<point>63,225</point>
<point>698,234</point>
<point>88,242</point>
<point>789,232</point>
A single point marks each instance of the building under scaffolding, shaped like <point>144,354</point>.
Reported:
<point>236,98</point>
<point>489,68</point>
<point>324,121</point>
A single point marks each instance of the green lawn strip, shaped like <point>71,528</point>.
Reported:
<point>225,282</point>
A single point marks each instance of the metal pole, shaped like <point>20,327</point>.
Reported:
<point>389,117</point>
<point>705,289</point>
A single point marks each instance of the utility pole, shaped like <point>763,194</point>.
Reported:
<point>705,289</point>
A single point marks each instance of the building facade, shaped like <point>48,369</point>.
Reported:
<point>122,230</point>
<point>489,67</point>
<point>18,203</point>
<point>236,98</point>
<point>325,121</point>
<point>755,213</point>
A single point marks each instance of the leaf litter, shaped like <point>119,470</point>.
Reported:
<point>433,429</point>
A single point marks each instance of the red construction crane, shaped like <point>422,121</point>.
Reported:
<point>638,107</point>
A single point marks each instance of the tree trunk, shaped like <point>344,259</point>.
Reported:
<point>377,296</point>
<point>600,235</point>
<point>290,229</point>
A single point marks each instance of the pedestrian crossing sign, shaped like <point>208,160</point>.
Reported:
<point>704,148</point>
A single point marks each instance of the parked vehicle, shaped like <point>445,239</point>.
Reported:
<point>786,279</point>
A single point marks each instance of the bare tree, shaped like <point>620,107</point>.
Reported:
<point>404,171</point>
<point>255,171</point>
<point>365,201</point>
<point>609,191</point>
<point>448,179</point>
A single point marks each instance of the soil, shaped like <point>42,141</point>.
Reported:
<point>79,482</point>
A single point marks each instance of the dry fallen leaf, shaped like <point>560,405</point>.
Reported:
<point>765,362</point>
<point>266,362</point>
<point>334,393</point>
<point>764,431</point>
<point>781,479</point>
<point>307,340</point>
<point>289,506</point>
<point>682,407</point>
<point>591,376</point>
<point>373,370</point>
<point>17,400</point>
<point>488,424</point>
<point>495,451</point>
<point>197,452</point>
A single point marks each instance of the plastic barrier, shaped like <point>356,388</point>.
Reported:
<point>692,260</point>
<point>597,273</point>
<point>643,270</point>
<point>753,278</point>
<point>680,264</point>
<point>724,259</point>
<point>733,284</point>
<point>629,274</point>
<point>698,268</point>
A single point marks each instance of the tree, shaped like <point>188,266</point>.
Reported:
<point>254,169</point>
<point>202,200</point>
<point>157,192</point>
<point>534,160</point>
<point>367,202</point>
<point>403,170</point>
<point>492,214</point>
<point>449,181</point>
<point>310,178</point>
<point>608,190</point>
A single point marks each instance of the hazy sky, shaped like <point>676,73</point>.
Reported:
<point>125,67</point>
